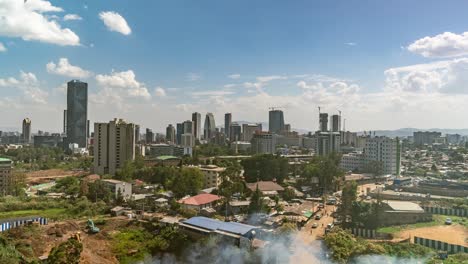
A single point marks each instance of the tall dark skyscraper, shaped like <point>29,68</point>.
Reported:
<point>276,121</point>
<point>77,113</point>
<point>323,122</point>
<point>179,132</point>
<point>335,123</point>
<point>26,135</point>
<point>227,124</point>
<point>210,126</point>
<point>196,119</point>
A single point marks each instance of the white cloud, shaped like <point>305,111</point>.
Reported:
<point>351,43</point>
<point>211,93</point>
<point>444,45</point>
<point>72,17</point>
<point>64,68</point>
<point>262,81</point>
<point>115,22</point>
<point>28,21</point>
<point>160,92</point>
<point>234,76</point>
<point>448,76</point>
<point>2,47</point>
<point>123,84</point>
<point>28,85</point>
<point>193,77</point>
<point>270,78</point>
<point>227,86</point>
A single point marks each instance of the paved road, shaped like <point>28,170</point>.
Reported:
<point>309,234</point>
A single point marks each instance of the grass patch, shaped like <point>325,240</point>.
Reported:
<point>437,220</point>
<point>54,213</point>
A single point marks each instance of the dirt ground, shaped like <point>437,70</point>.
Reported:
<point>42,176</point>
<point>96,247</point>
<point>454,234</point>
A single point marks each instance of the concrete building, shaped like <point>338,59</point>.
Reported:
<point>196,119</point>
<point>209,127</point>
<point>349,138</point>
<point>114,144</point>
<point>240,146</point>
<point>77,113</point>
<point>352,161</point>
<point>188,127</point>
<point>402,213</point>
<point>6,176</point>
<point>235,132</point>
<point>227,124</point>
<point>199,202</point>
<point>26,131</point>
<point>65,121</point>
<point>171,134</point>
<point>52,141</point>
<point>119,187</point>
<point>328,141</point>
<point>248,130</point>
<point>212,175</point>
<point>289,139</point>
<point>149,136</point>
<point>287,128</point>
<point>263,143</point>
<point>158,150</point>
<point>426,137</point>
<point>276,121</point>
<point>385,150</point>
<point>179,132</point>
<point>187,140</point>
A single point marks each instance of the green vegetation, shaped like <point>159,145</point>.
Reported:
<point>8,252</point>
<point>437,220</point>
<point>68,252</point>
<point>460,258</point>
<point>53,213</point>
<point>265,168</point>
<point>257,204</point>
<point>326,169</point>
<point>136,242</point>
<point>344,246</point>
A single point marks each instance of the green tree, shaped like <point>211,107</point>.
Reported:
<point>68,185</point>
<point>288,194</point>
<point>348,197</point>
<point>266,168</point>
<point>68,252</point>
<point>257,205</point>
<point>98,190</point>
<point>188,182</point>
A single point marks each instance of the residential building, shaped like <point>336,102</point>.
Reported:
<point>287,128</point>
<point>276,121</point>
<point>187,140</point>
<point>200,201</point>
<point>352,161</point>
<point>263,143</point>
<point>137,134</point>
<point>171,134</point>
<point>402,213</point>
<point>188,127</point>
<point>327,141</point>
<point>386,151</point>
<point>77,113</point>
<point>335,123</point>
<point>6,176</point>
<point>119,188</point>
<point>52,141</point>
<point>227,125</point>
<point>268,188</point>
<point>114,144</point>
<point>289,139</point>
<point>209,127</point>
<point>235,132</point>
<point>212,175</point>
<point>348,138</point>
<point>426,137</point>
<point>157,150</point>
<point>26,135</point>
<point>240,146</point>
<point>248,130</point>
<point>196,119</point>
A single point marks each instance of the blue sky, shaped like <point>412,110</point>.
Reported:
<point>169,58</point>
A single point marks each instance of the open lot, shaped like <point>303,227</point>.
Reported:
<point>42,176</point>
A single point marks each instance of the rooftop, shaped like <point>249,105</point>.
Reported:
<point>115,181</point>
<point>167,157</point>
<point>404,206</point>
<point>5,160</point>
<point>200,199</point>
<point>216,225</point>
<point>264,186</point>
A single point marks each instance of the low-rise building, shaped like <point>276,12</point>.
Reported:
<point>402,212</point>
<point>268,188</point>
<point>199,201</point>
<point>352,161</point>
<point>212,175</point>
<point>119,187</point>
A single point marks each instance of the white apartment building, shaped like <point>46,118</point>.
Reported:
<point>385,150</point>
<point>212,175</point>
<point>352,161</point>
<point>263,143</point>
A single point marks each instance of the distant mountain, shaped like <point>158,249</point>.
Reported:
<point>405,132</point>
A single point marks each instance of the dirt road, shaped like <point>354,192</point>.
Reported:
<point>455,234</point>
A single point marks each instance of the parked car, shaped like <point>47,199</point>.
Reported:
<point>448,221</point>
<point>318,217</point>
<point>330,226</point>
<point>315,225</point>
<point>321,205</point>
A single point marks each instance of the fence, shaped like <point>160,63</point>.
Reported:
<point>16,222</point>
<point>446,211</point>
<point>439,245</point>
<point>361,232</point>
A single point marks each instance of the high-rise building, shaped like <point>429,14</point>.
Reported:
<point>179,132</point>
<point>6,181</point>
<point>187,140</point>
<point>263,143</point>
<point>386,151</point>
<point>26,135</point>
<point>77,113</point>
<point>171,134</point>
<point>137,134</point>
<point>188,127</point>
<point>327,141</point>
<point>149,136</point>
<point>287,128</point>
<point>114,144</point>
<point>323,122</point>
<point>276,121</point>
<point>236,132</point>
<point>426,137</point>
<point>196,119</point>
<point>227,124</point>
<point>248,130</point>
<point>209,127</point>
<point>65,121</point>
<point>336,123</point>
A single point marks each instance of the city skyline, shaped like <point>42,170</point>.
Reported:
<point>406,71</point>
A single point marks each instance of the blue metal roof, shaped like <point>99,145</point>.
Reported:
<point>213,224</point>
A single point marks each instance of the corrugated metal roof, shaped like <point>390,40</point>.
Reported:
<point>213,224</point>
<point>404,206</point>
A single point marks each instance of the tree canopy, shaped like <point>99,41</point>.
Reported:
<point>265,168</point>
